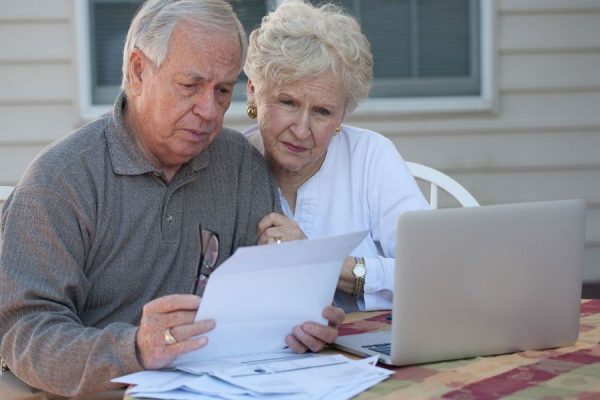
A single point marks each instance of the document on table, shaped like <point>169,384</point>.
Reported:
<point>260,293</point>
<point>273,375</point>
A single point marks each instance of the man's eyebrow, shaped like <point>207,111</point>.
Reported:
<point>199,78</point>
<point>195,77</point>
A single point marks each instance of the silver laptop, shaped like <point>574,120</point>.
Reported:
<point>481,281</point>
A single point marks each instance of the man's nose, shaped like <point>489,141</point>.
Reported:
<point>205,105</point>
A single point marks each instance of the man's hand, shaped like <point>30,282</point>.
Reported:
<point>275,227</point>
<point>175,312</point>
<point>313,336</point>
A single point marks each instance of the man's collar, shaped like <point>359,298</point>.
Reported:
<point>125,155</point>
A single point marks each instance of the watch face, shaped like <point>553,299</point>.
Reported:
<point>359,271</point>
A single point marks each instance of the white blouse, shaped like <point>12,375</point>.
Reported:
<point>363,184</point>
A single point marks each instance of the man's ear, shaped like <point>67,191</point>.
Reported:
<point>137,65</point>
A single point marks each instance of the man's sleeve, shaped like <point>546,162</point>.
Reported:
<point>43,290</point>
<point>262,195</point>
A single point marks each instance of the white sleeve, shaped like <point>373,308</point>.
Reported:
<point>391,190</point>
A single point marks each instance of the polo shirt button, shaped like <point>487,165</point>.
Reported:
<point>170,218</point>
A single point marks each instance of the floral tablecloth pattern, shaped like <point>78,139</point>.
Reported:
<point>565,373</point>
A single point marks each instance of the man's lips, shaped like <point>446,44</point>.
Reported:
<point>197,135</point>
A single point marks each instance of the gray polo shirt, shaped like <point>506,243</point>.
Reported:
<point>93,232</point>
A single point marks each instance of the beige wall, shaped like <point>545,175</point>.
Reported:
<point>37,80</point>
<point>542,141</point>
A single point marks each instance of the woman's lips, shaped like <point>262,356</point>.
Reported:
<point>294,148</point>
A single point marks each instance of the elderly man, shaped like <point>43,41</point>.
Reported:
<point>101,238</point>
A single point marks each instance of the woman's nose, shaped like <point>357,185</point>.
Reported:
<point>301,127</point>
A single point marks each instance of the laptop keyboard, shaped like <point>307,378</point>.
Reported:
<point>383,348</point>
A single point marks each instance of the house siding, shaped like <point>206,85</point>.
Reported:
<point>541,141</point>
<point>38,80</point>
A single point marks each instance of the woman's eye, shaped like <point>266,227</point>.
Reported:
<point>186,85</point>
<point>323,111</point>
<point>287,102</point>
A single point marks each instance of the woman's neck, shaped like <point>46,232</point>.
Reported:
<point>290,181</point>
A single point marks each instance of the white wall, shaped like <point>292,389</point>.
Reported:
<point>542,141</point>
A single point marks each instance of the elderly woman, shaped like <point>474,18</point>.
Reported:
<point>308,68</point>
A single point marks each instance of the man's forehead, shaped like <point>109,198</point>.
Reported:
<point>202,54</point>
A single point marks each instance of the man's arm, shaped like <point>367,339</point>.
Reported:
<point>43,289</point>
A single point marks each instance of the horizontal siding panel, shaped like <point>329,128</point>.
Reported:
<point>541,150</point>
<point>508,187</point>
<point>35,9</point>
<point>593,225</point>
<point>14,160</point>
<point>591,264</point>
<point>555,71</point>
<point>553,6</point>
<point>550,32</point>
<point>37,82</point>
<point>36,41</point>
<point>518,112</point>
<point>37,124</point>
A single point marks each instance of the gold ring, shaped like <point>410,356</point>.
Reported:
<point>278,240</point>
<point>169,338</point>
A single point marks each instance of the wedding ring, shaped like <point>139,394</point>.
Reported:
<point>169,338</point>
<point>278,240</point>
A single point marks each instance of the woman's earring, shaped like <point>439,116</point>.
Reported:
<point>252,111</point>
<point>338,129</point>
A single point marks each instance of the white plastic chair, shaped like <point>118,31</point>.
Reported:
<point>438,179</point>
<point>5,191</point>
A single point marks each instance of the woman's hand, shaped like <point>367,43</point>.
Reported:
<point>313,336</point>
<point>346,281</point>
<point>276,227</point>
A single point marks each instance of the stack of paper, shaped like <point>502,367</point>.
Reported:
<point>271,376</point>
<point>256,298</point>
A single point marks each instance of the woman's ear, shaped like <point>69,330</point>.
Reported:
<point>250,89</point>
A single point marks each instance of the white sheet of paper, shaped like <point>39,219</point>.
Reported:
<point>268,376</point>
<point>260,293</point>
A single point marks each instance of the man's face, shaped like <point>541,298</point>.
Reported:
<point>179,107</point>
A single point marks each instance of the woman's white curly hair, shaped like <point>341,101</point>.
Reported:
<point>299,40</point>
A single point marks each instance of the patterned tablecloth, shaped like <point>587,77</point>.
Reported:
<point>565,373</point>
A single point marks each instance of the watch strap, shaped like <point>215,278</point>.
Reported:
<point>359,281</point>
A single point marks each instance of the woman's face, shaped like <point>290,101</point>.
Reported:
<point>298,119</point>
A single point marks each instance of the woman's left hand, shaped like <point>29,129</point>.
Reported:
<point>346,281</point>
<point>275,228</point>
<point>313,336</point>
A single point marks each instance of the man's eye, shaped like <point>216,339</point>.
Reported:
<point>186,85</point>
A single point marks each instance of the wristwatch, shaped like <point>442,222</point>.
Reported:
<point>359,271</point>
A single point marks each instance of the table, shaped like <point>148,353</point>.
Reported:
<point>565,373</point>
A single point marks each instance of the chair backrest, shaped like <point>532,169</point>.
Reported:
<point>5,191</point>
<point>438,179</point>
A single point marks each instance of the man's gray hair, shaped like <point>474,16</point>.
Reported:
<point>299,40</point>
<point>155,21</point>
